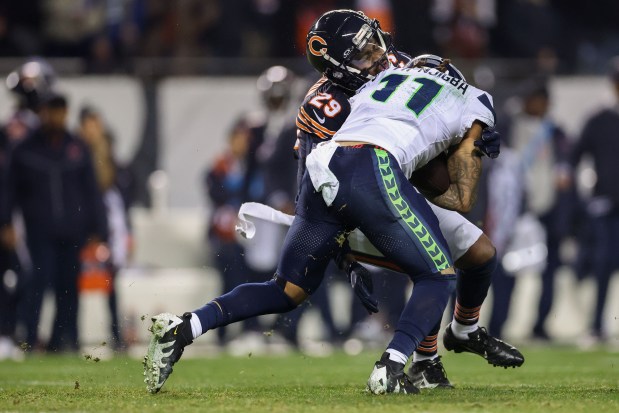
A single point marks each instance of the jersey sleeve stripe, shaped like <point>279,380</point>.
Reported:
<point>314,123</point>
<point>316,85</point>
<point>312,131</point>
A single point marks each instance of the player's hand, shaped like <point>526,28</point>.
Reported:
<point>489,143</point>
<point>361,281</point>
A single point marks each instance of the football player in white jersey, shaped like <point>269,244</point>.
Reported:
<point>352,182</point>
<point>472,251</point>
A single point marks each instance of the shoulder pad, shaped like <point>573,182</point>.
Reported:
<point>324,110</point>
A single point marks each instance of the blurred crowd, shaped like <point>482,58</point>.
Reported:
<point>109,34</point>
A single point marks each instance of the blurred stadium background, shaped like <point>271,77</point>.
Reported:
<point>171,77</point>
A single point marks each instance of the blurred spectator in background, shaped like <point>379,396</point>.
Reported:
<point>543,149</point>
<point>69,25</point>
<point>600,141</point>
<point>271,28</point>
<point>306,14</point>
<point>271,157</point>
<point>496,211</point>
<point>544,28</point>
<point>228,185</point>
<point>503,189</point>
<point>462,27</point>
<point>415,38</point>
<point>51,181</point>
<point>20,27</point>
<point>98,139</point>
<point>29,83</point>
<point>273,134</point>
<point>11,279</point>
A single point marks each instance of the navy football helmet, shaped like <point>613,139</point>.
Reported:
<point>434,61</point>
<point>32,82</point>
<point>275,86</point>
<point>348,47</point>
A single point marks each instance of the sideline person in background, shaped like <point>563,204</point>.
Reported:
<point>93,132</point>
<point>543,149</point>
<point>273,133</point>
<point>29,83</point>
<point>600,140</point>
<point>51,180</point>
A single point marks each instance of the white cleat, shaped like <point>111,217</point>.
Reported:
<point>388,377</point>
<point>170,335</point>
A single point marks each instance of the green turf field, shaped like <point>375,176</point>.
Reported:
<point>551,380</point>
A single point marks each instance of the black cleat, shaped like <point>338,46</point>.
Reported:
<point>170,335</point>
<point>429,374</point>
<point>388,377</point>
<point>497,352</point>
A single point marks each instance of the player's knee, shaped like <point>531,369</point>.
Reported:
<point>478,254</point>
<point>450,278</point>
<point>444,281</point>
<point>295,293</point>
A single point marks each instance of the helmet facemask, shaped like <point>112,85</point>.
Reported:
<point>362,61</point>
<point>369,61</point>
<point>368,55</point>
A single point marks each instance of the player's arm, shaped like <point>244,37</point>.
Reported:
<point>464,166</point>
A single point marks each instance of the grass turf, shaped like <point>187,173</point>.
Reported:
<point>551,380</point>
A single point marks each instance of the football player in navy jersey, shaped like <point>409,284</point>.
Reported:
<point>321,115</point>
<point>359,54</point>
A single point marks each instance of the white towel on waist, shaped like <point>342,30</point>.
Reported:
<point>323,179</point>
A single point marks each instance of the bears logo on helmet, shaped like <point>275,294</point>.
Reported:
<point>311,46</point>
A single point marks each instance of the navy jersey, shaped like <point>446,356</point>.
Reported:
<point>324,110</point>
<point>322,113</point>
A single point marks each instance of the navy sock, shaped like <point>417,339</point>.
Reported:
<point>471,291</point>
<point>244,301</point>
<point>422,312</point>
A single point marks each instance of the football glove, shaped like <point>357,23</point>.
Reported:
<point>361,281</point>
<point>490,143</point>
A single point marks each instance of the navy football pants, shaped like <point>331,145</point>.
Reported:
<point>374,196</point>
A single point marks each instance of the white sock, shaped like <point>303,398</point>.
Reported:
<point>462,331</point>
<point>417,357</point>
<point>395,355</point>
<point>196,326</point>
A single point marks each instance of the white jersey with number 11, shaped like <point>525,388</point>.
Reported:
<point>415,114</point>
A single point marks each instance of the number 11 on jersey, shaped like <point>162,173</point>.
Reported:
<point>419,100</point>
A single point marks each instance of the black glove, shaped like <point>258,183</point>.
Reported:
<point>489,143</point>
<point>361,281</point>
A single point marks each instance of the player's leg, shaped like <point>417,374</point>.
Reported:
<point>475,270</point>
<point>308,247</point>
<point>426,370</point>
<point>464,334</point>
<point>475,259</point>
<point>400,224</point>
